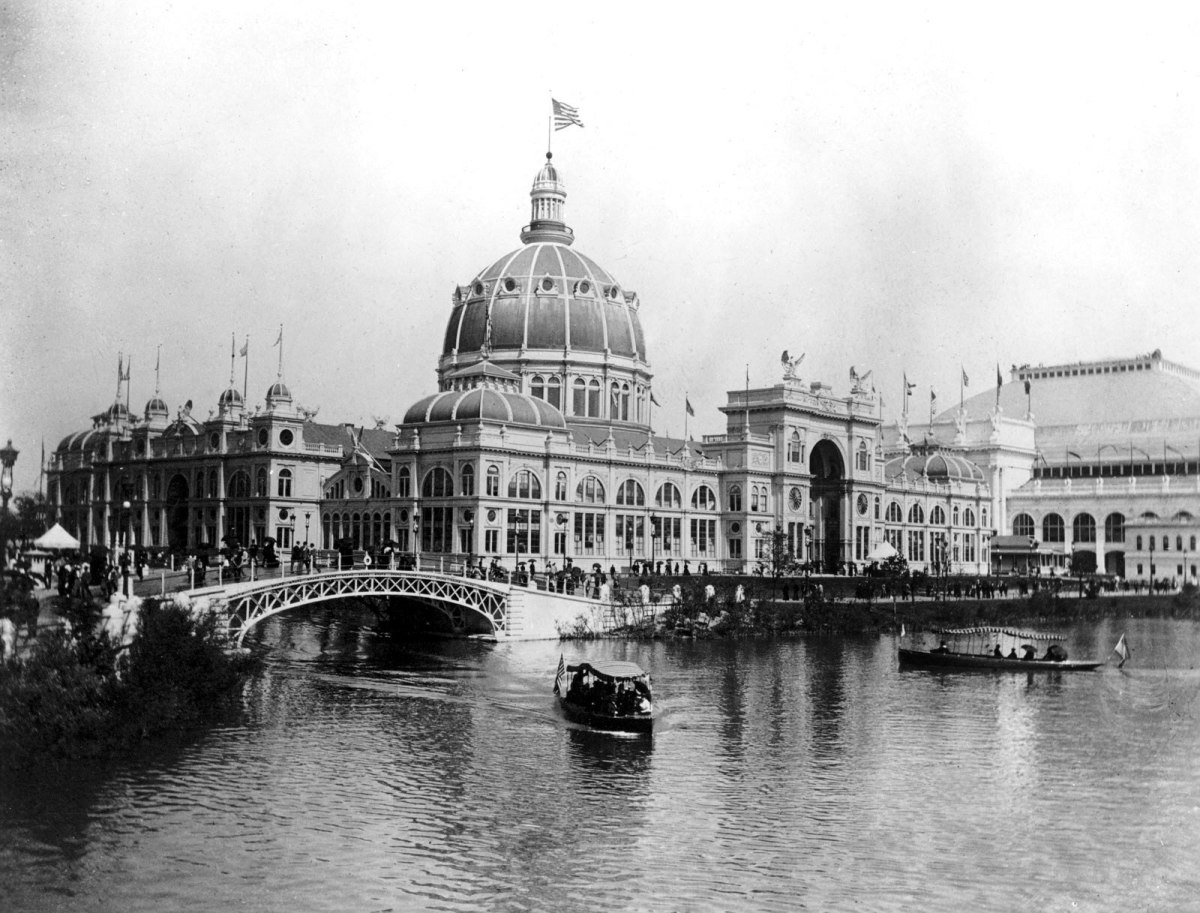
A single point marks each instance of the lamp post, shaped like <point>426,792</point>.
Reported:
<point>654,521</point>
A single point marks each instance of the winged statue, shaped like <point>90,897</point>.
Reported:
<point>790,364</point>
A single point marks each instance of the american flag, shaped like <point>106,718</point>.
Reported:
<point>558,676</point>
<point>565,115</point>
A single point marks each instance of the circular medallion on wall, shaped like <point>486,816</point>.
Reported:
<point>735,527</point>
<point>491,516</point>
<point>358,484</point>
<point>404,516</point>
<point>862,505</point>
<point>795,498</point>
<point>214,440</point>
<point>262,437</point>
<point>283,514</point>
<point>286,437</point>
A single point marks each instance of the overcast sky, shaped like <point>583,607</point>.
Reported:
<point>885,188</point>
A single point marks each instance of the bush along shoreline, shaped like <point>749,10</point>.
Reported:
<point>760,613</point>
<point>75,692</point>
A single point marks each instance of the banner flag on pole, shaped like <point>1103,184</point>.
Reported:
<point>687,405</point>
<point>558,676</point>
<point>1122,650</point>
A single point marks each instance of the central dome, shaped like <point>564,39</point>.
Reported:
<point>545,296</point>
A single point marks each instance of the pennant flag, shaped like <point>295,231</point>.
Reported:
<point>246,348</point>
<point>1122,650</point>
<point>999,376</point>
<point>687,404</point>
<point>908,387</point>
<point>902,629</point>
<point>565,115</point>
<point>966,382</point>
<point>1027,387</point>
<point>558,676</point>
<point>654,399</point>
<point>279,338</point>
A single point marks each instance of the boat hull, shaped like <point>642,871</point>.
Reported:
<point>927,660</point>
<point>641,722</point>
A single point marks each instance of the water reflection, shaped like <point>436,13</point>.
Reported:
<point>377,771</point>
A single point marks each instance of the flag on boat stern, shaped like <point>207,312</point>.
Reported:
<point>1122,650</point>
<point>558,676</point>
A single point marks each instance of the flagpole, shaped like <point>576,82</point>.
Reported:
<point>127,365</point>
<point>685,416</point>
<point>246,372</point>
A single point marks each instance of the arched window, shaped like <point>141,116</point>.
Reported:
<point>239,485</point>
<point>554,391</point>
<point>593,398</point>
<point>524,484</point>
<point>260,483</point>
<point>668,496</point>
<point>1053,529</point>
<point>589,491</point>
<point>937,516</point>
<point>1138,544</point>
<point>703,498</point>
<point>955,515</point>
<point>1083,528</point>
<point>916,514</point>
<point>1179,543</point>
<point>493,482</point>
<point>1023,525</point>
<point>560,487</point>
<point>620,402</point>
<point>537,387</point>
<point>735,497</point>
<point>212,483</point>
<point>794,448</point>
<point>284,489</point>
<point>630,494</point>
<point>579,397</point>
<point>863,457</point>
<point>404,483</point>
<point>467,479</point>
<point>1192,547</point>
<point>438,484</point>
<point>894,513</point>
<point>754,498</point>
<point>968,517</point>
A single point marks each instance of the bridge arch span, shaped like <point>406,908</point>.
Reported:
<point>247,604</point>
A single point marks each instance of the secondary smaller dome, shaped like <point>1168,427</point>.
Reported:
<point>279,392</point>
<point>485,405</point>
<point>935,465</point>
<point>230,397</point>
<point>156,406</point>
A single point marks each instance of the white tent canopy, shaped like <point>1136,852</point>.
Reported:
<point>56,537</point>
<point>881,552</point>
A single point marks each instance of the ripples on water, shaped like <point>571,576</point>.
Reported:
<point>370,774</point>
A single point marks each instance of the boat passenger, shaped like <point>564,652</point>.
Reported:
<point>998,653</point>
<point>1012,654</point>
<point>1030,652</point>
<point>942,648</point>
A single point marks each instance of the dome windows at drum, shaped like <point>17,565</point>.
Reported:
<point>478,289</point>
<point>582,288</point>
<point>547,286</point>
<point>510,286</point>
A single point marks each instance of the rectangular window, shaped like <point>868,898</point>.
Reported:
<point>631,534</point>
<point>589,533</point>
<point>491,540</point>
<point>560,542</point>
<point>666,533</point>
<point>735,548</point>
<point>704,538</point>
<point>437,528</point>
<point>465,545</point>
<point>284,535</point>
<point>524,532</point>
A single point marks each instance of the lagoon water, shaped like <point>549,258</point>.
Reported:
<point>368,773</point>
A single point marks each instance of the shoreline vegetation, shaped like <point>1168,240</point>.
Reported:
<point>762,611</point>
<point>75,692</point>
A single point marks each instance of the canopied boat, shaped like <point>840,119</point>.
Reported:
<point>972,648</point>
<point>609,695</point>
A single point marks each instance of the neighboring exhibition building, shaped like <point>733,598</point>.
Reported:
<point>1091,465</point>
<point>537,442</point>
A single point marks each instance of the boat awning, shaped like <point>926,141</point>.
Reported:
<point>985,629</point>
<point>610,669</point>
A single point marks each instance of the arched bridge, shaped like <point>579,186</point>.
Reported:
<point>497,605</point>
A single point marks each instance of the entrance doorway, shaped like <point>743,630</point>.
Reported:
<point>177,513</point>
<point>828,491</point>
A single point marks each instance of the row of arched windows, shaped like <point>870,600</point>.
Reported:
<point>626,403</point>
<point>525,485</point>
<point>758,498</point>
<point>937,515</point>
<point>1083,527</point>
